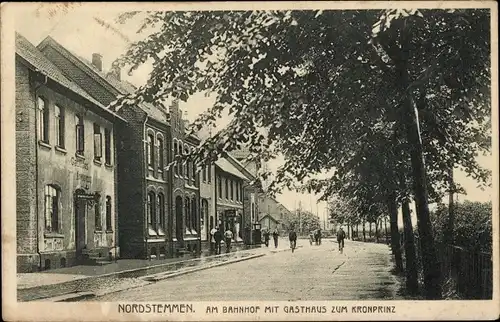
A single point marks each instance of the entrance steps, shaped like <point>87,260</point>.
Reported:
<point>95,257</point>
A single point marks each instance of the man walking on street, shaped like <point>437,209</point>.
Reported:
<point>275,237</point>
<point>217,239</point>
<point>228,235</point>
<point>340,238</point>
<point>292,236</point>
<point>212,239</point>
<point>266,238</point>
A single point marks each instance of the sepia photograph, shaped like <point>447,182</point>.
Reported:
<point>250,161</point>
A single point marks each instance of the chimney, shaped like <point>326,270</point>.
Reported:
<point>97,61</point>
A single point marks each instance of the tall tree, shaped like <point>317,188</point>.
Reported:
<point>293,73</point>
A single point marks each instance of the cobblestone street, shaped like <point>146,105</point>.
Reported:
<point>311,273</point>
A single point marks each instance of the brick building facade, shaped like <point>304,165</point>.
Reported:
<point>144,185</point>
<point>65,168</point>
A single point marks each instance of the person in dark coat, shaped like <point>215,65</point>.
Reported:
<point>266,238</point>
<point>275,237</point>
<point>218,239</point>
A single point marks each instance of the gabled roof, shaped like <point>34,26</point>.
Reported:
<point>240,167</point>
<point>226,166</point>
<point>39,62</point>
<point>117,87</point>
<point>270,216</point>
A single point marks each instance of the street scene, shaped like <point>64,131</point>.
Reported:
<point>288,155</point>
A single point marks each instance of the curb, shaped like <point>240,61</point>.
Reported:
<point>159,277</point>
<point>48,291</point>
<point>70,297</point>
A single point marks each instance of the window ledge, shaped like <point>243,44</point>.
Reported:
<point>61,149</point>
<point>108,165</point>
<point>109,231</point>
<point>53,235</point>
<point>79,156</point>
<point>97,162</point>
<point>98,231</point>
<point>45,145</point>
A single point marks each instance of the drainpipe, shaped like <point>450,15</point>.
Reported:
<point>144,187</point>
<point>45,79</point>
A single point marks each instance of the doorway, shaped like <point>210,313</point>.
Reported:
<point>80,223</point>
<point>178,218</point>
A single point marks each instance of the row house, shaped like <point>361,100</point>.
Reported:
<point>65,168</point>
<point>229,195</point>
<point>251,191</point>
<point>185,187</point>
<point>144,148</point>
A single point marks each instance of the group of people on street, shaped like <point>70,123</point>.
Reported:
<point>216,237</point>
<point>275,237</point>
<point>315,237</point>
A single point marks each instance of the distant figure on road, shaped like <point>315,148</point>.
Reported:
<point>212,239</point>
<point>340,238</point>
<point>217,239</point>
<point>275,237</point>
<point>318,237</point>
<point>292,236</point>
<point>228,235</point>
<point>266,238</point>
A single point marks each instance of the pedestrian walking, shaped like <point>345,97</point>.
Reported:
<point>228,236</point>
<point>340,239</point>
<point>212,239</point>
<point>266,238</point>
<point>292,236</point>
<point>275,237</point>
<point>217,239</point>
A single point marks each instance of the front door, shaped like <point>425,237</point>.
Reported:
<point>80,225</point>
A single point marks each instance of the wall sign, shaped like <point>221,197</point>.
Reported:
<point>79,163</point>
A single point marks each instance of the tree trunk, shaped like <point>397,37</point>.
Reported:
<point>370,229</point>
<point>357,230</point>
<point>364,230</point>
<point>385,226</point>
<point>410,254</point>
<point>376,232</point>
<point>396,249</point>
<point>448,236</point>
<point>347,231</point>
<point>432,274</point>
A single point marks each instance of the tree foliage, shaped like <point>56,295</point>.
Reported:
<point>302,221</point>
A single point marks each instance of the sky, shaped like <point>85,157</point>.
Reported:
<point>78,31</point>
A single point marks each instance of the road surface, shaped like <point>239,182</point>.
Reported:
<point>310,273</point>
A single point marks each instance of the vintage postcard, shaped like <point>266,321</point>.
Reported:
<point>250,161</point>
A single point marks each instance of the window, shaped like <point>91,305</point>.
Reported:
<point>181,164</point>
<point>59,118</point>
<point>107,146</point>
<point>80,135</point>
<point>151,214</point>
<point>204,173</point>
<point>160,155</point>
<point>97,216</point>
<point>109,215</point>
<point>193,172</point>
<point>194,216</point>
<point>187,214</point>
<point>97,142</point>
<point>226,186</point>
<point>237,191</point>
<point>176,153</point>
<point>219,180</point>
<point>209,173</point>
<point>150,151</point>
<point>43,120</point>
<point>187,163</point>
<point>52,198</point>
<point>232,189</point>
<point>161,214</point>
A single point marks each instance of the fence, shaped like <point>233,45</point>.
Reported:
<point>471,272</point>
